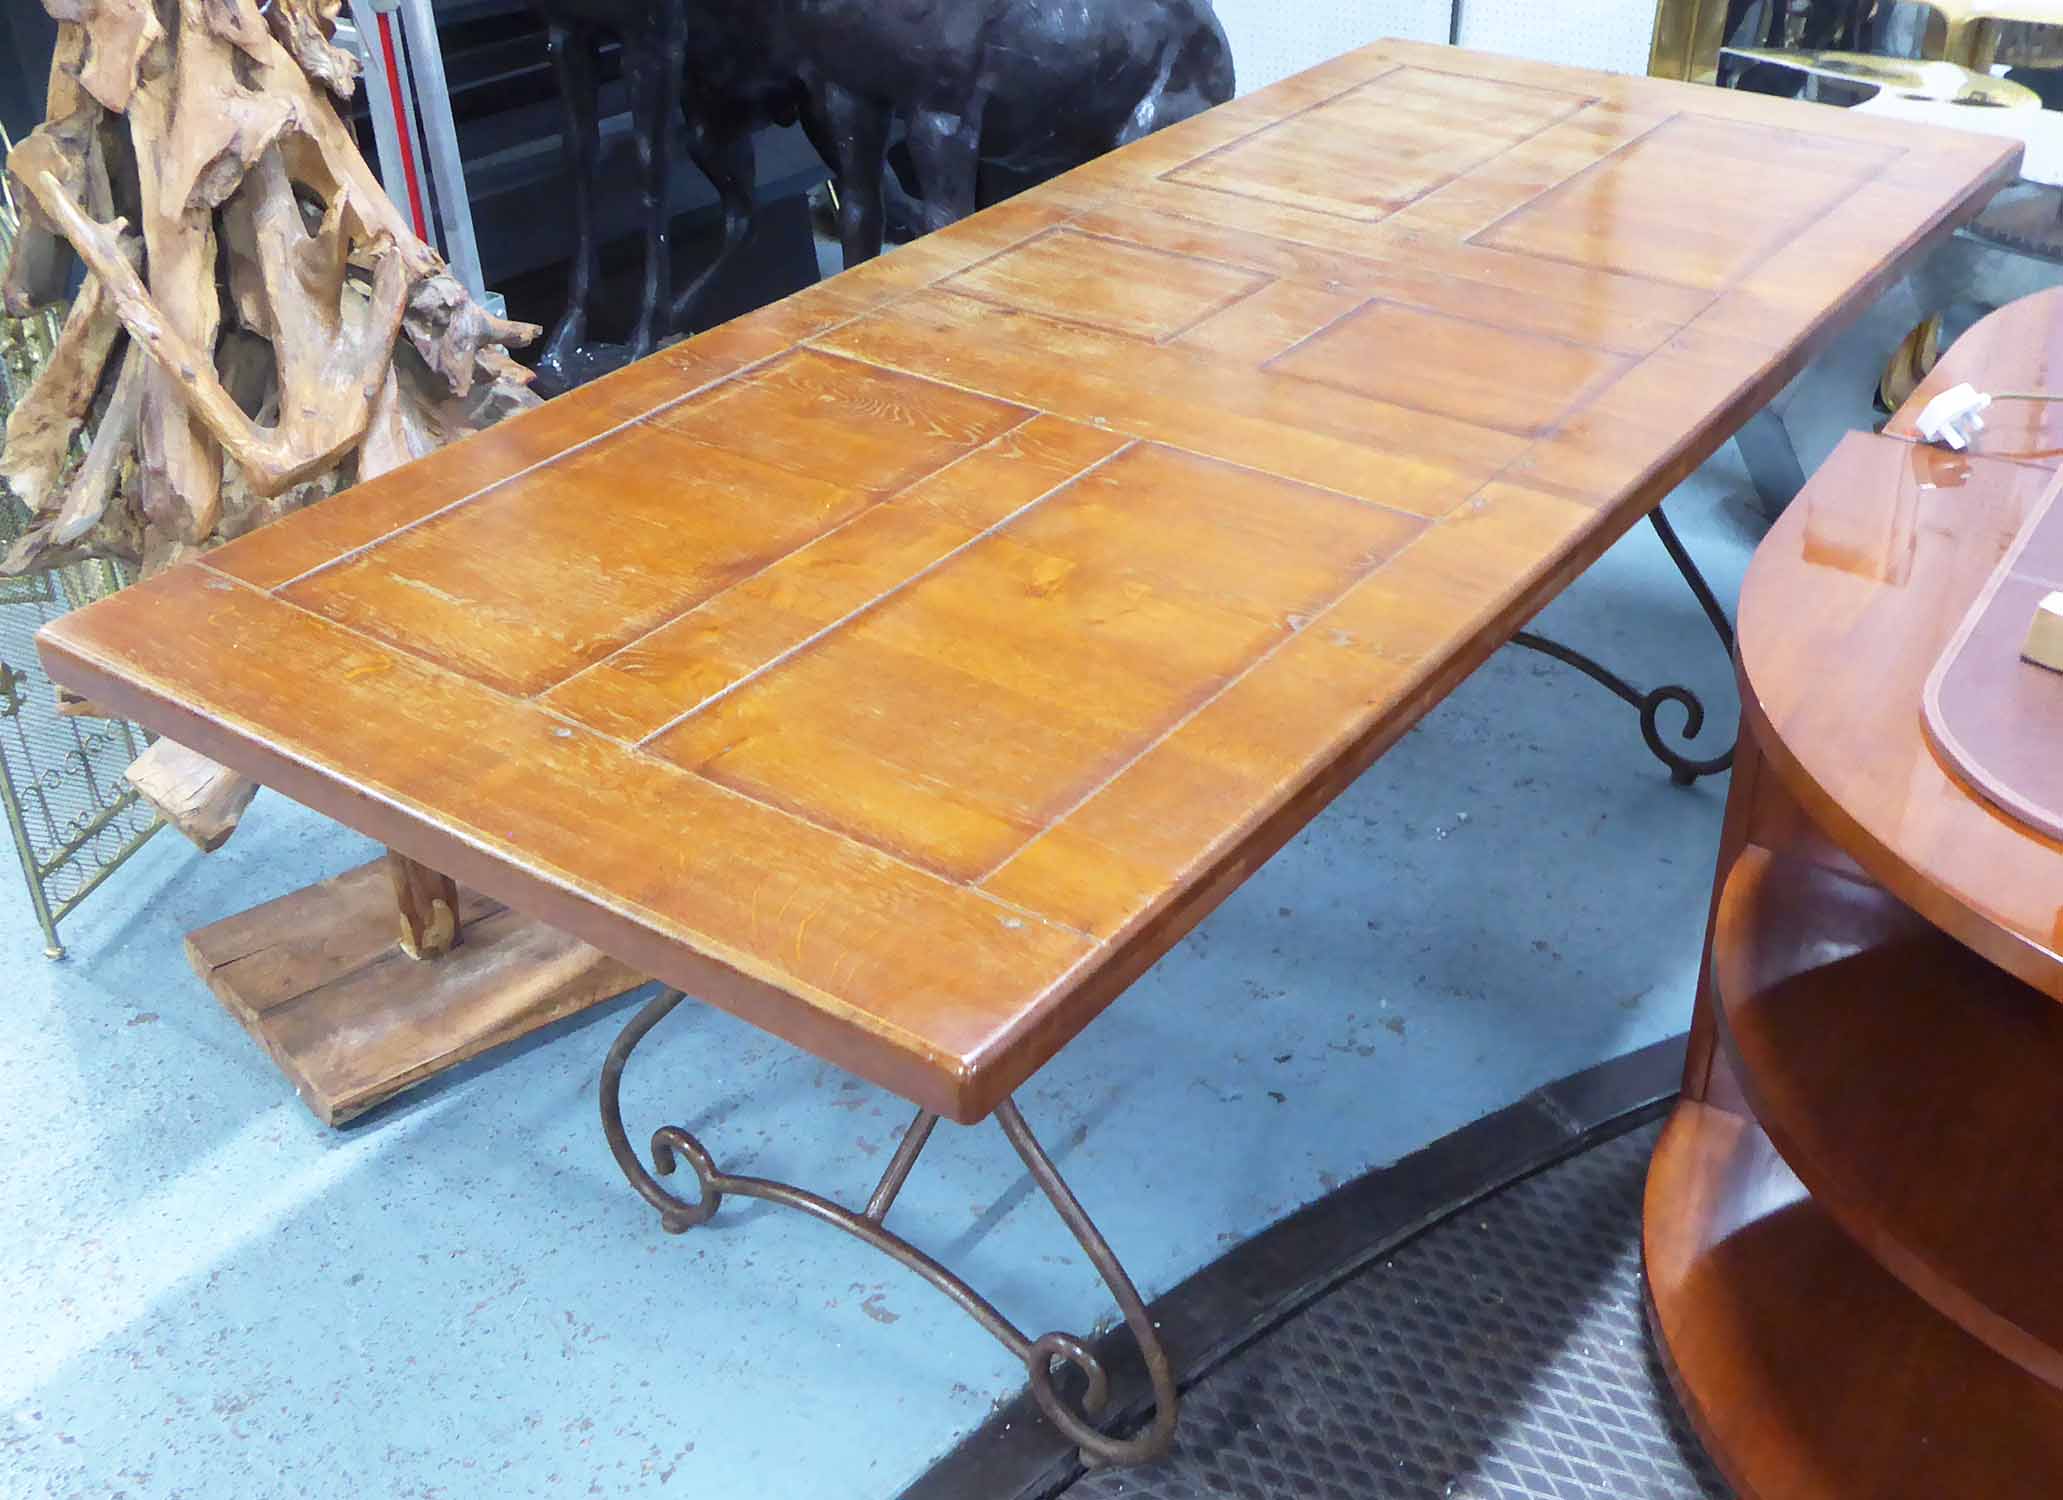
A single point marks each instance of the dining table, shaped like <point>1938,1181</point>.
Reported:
<point>905,666</point>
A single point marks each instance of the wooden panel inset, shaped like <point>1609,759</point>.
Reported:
<point>1060,656</point>
<point>1428,127</point>
<point>1107,283</point>
<point>1295,735</point>
<point>1997,718</point>
<point>663,676</point>
<point>1228,409</point>
<point>841,422</point>
<point>321,534</point>
<point>674,522</point>
<point>1515,382</point>
<point>1433,269</point>
<point>1648,209</point>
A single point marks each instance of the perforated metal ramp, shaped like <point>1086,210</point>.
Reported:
<point>1500,1355</point>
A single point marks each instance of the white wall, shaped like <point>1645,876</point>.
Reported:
<point>1608,34</point>
<point>1272,39</point>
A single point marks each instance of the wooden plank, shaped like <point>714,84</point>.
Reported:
<point>318,979</point>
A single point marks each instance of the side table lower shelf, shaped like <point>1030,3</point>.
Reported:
<point>1912,1086</point>
<point>1808,1371</point>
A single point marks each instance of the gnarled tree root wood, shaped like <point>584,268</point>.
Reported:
<point>267,332</point>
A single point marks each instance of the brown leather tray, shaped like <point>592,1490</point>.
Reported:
<point>1996,718</point>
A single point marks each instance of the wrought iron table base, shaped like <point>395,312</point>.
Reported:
<point>677,1215</point>
<point>1683,769</point>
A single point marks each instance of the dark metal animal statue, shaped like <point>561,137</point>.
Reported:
<point>1037,86</point>
<point>739,80</point>
<point>654,35</point>
<point>1033,86</point>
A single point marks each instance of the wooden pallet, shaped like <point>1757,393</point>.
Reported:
<point>320,979</point>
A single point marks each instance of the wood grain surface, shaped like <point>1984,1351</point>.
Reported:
<point>907,665</point>
<point>427,904</point>
<point>1846,607</point>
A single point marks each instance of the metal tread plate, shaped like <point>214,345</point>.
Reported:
<point>1501,1355</point>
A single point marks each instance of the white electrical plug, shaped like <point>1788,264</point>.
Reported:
<point>1951,417</point>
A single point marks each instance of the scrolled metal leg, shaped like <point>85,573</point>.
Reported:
<point>1683,769</point>
<point>1096,1447</point>
<point>672,1143</point>
<point>1687,566</point>
<point>676,1215</point>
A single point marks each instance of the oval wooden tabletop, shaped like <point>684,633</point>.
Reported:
<point>1847,605</point>
<point>907,665</point>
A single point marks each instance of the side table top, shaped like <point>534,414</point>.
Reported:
<point>1847,606</point>
<point>907,665</point>
<point>2018,347</point>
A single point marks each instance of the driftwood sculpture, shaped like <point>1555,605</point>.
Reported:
<point>257,328</point>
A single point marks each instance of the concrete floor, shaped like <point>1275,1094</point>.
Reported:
<point>205,1293</point>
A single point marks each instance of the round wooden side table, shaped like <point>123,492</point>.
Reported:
<point>1854,1219</point>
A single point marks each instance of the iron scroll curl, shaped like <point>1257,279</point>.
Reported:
<point>1074,1411</point>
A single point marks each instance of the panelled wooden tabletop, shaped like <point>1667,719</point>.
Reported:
<point>905,666</point>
